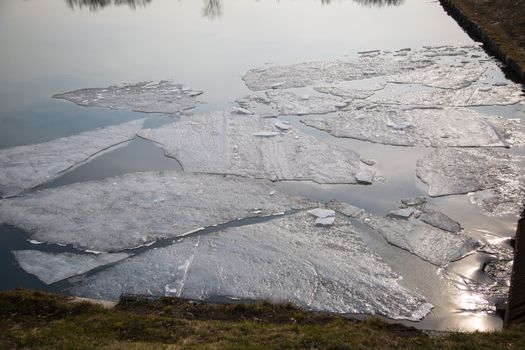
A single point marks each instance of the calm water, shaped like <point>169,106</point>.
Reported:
<point>59,45</point>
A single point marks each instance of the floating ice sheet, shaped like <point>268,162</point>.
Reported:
<point>429,243</point>
<point>326,73</point>
<point>137,209</point>
<point>476,95</point>
<point>439,220</point>
<point>51,268</point>
<point>222,143</point>
<point>285,259</point>
<point>25,167</point>
<point>460,170</point>
<point>412,127</point>
<point>347,92</point>
<point>148,97</point>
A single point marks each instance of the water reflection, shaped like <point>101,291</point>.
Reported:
<point>212,8</point>
<point>94,5</point>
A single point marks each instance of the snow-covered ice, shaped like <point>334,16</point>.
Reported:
<point>51,268</point>
<point>288,103</point>
<point>420,127</point>
<point>24,167</point>
<point>148,97</point>
<point>136,209</point>
<point>221,143</point>
<point>284,259</point>
<point>429,243</point>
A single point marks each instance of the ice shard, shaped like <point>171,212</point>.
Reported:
<point>148,97</point>
<point>222,143</point>
<point>24,167</point>
<point>137,209</point>
<point>429,243</point>
<point>412,127</point>
<point>51,268</point>
<point>285,259</point>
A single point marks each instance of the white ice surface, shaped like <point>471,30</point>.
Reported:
<point>221,143</point>
<point>288,103</point>
<point>421,127</point>
<point>136,209</point>
<point>51,268</point>
<point>429,243</point>
<point>148,97</point>
<point>24,167</point>
<point>285,259</point>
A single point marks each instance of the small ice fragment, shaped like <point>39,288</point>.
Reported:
<point>195,93</point>
<point>34,241</point>
<point>272,193</point>
<point>345,208</point>
<point>341,104</point>
<point>440,220</point>
<point>240,110</point>
<point>403,213</point>
<point>321,213</point>
<point>414,201</point>
<point>278,85</point>
<point>305,97</point>
<point>328,221</point>
<point>265,134</point>
<point>282,126</point>
<point>367,161</point>
<point>365,176</point>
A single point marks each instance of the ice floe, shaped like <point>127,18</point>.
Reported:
<point>431,244</point>
<point>51,268</point>
<point>148,97</point>
<point>222,143</point>
<point>288,103</point>
<point>458,171</point>
<point>137,209</point>
<point>412,127</point>
<point>285,259</point>
<point>24,167</point>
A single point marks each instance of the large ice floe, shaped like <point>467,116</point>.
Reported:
<point>51,268</point>
<point>249,146</point>
<point>430,243</point>
<point>24,167</point>
<point>137,209</point>
<point>148,97</point>
<point>412,127</point>
<point>285,259</point>
<point>496,185</point>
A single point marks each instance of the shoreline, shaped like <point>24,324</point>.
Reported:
<point>482,22</point>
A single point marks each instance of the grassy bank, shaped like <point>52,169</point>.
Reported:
<point>38,320</point>
<point>499,24</point>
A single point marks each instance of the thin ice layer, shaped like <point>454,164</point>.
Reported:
<point>127,211</point>
<point>249,146</point>
<point>25,167</point>
<point>429,243</point>
<point>461,170</point>
<point>412,127</point>
<point>51,268</point>
<point>148,97</point>
<point>289,103</point>
<point>476,95</point>
<point>328,72</point>
<point>285,259</point>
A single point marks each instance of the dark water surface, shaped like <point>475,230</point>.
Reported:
<point>52,46</point>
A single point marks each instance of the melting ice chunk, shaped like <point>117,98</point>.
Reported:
<point>124,212</point>
<point>236,151</point>
<point>25,167</point>
<point>150,97</point>
<point>285,259</point>
<point>51,268</point>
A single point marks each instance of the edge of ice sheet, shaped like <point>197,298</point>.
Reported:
<point>51,268</point>
<point>25,167</point>
<point>136,209</point>
<point>284,259</point>
<point>147,97</point>
<point>286,155</point>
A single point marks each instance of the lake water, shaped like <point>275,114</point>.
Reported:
<point>54,46</point>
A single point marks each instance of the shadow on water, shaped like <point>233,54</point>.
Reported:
<point>212,8</point>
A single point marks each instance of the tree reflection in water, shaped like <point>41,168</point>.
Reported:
<point>212,8</point>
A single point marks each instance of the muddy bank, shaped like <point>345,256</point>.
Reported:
<point>499,25</point>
